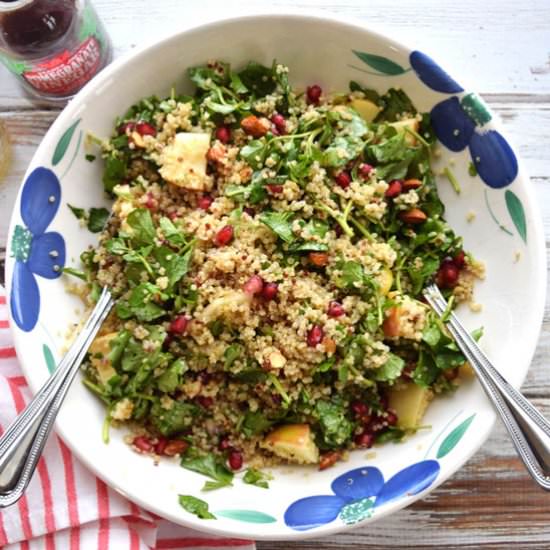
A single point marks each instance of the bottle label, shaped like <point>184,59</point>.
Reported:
<point>66,72</point>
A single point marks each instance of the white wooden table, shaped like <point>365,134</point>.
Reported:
<point>503,47</point>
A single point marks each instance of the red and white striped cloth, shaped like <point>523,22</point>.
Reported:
<point>66,507</point>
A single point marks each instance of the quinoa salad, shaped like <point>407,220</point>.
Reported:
<point>267,247</point>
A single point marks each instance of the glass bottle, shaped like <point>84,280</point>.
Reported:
<point>53,46</point>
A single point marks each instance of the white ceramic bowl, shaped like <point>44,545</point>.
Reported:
<point>506,234</point>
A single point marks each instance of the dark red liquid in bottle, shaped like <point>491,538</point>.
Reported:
<point>37,28</point>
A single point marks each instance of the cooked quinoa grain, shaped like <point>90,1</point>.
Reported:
<point>268,249</point>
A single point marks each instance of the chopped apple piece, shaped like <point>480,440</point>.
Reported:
<point>410,123</point>
<point>293,442</point>
<point>99,354</point>
<point>367,109</point>
<point>409,403</point>
<point>385,280</point>
<point>183,162</point>
<point>466,371</point>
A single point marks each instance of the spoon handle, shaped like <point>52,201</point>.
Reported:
<point>22,443</point>
<point>529,430</point>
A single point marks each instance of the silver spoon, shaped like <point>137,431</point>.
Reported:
<point>529,430</point>
<point>23,442</point>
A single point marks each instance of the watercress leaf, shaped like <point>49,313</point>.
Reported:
<point>258,78</point>
<point>251,376</point>
<point>426,370</point>
<point>390,434</point>
<point>195,506</point>
<point>390,150</point>
<point>170,379</point>
<point>80,213</point>
<point>449,360</point>
<point>342,150</point>
<point>141,302</point>
<point>255,423</point>
<point>208,465</point>
<point>237,84</point>
<point>390,370</point>
<point>209,78</point>
<point>257,478</point>
<point>143,230</point>
<point>174,420</point>
<point>222,108</point>
<point>336,428</point>
<point>118,345</point>
<point>115,171</point>
<point>371,95</point>
<point>394,104</point>
<point>419,274</point>
<point>352,275</point>
<point>171,233</point>
<point>231,354</point>
<point>317,228</point>
<point>175,265</point>
<point>117,246</point>
<point>280,223</point>
<point>326,365</point>
<point>213,485</point>
<point>254,153</point>
<point>97,219</point>
<point>431,334</point>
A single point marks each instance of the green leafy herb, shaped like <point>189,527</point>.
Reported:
<point>141,222</point>
<point>170,379</point>
<point>97,219</point>
<point>195,506</point>
<point>280,223</point>
<point>115,171</point>
<point>335,426</point>
<point>208,465</point>
<point>255,423</point>
<point>80,213</point>
<point>395,104</point>
<point>90,158</point>
<point>390,370</point>
<point>174,420</point>
<point>257,478</point>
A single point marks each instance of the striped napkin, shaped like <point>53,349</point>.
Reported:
<point>66,507</point>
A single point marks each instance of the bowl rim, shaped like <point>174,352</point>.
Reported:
<point>77,104</point>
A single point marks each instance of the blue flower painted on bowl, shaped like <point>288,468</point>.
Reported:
<point>432,74</point>
<point>36,251</point>
<point>357,493</point>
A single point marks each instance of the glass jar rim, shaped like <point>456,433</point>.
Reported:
<point>13,5</point>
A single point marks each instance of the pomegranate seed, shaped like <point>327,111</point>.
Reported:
<point>391,418</point>
<point>315,336</point>
<point>394,189</point>
<point>335,309</point>
<point>329,459</point>
<point>270,290</point>
<point>279,123</point>
<point>145,129</point>
<point>204,377</point>
<point>343,179</point>
<point>179,324</point>
<point>359,408</point>
<point>151,202</point>
<point>275,189</point>
<point>142,444</point>
<point>205,201</point>
<point>161,445</point>
<point>338,230</point>
<point>319,259</point>
<point>254,285</point>
<point>460,259</point>
<point>205,401</point>
<point>313,94</point>
<point>235,459</point>
<point>224,444</point>
<point>365,169</point>
<point>365,419</point>
<point>249,211</point>
<point>126,128</point>
<point>176,447</point>
<point>223,133</point>
<point>448,274</point>
<point>365,439</point>
<point>224,235</point>
<point>450,374</point>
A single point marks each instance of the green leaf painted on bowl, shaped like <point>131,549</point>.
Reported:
<point>357,511</point>
<point>517,213</point>
<point>48,356</point>
<point>381,65</point>
<point>248,516</point>
<point>63,143</point>
<point>451,441</point>
<point>21,243</point>
<point>476,109</point>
